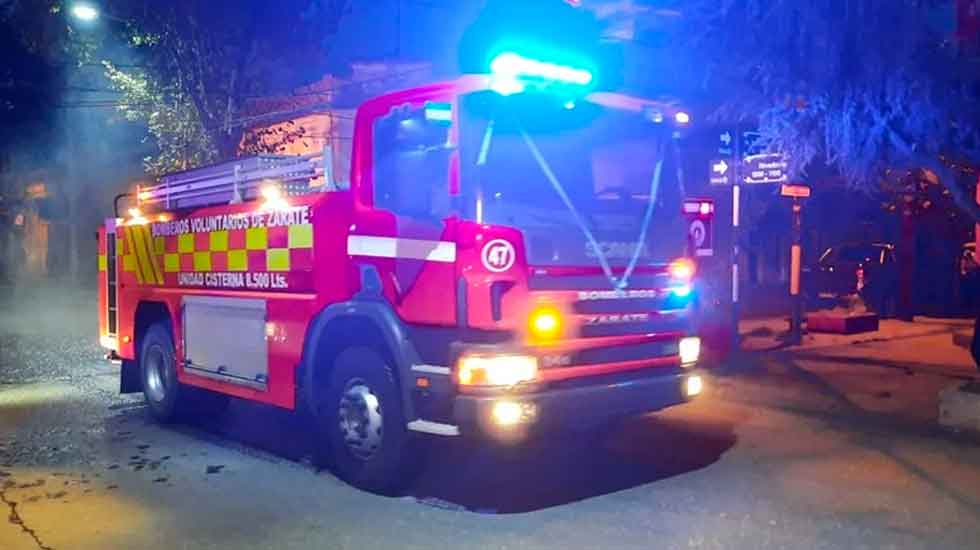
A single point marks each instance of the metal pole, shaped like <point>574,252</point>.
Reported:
<point>796,324</point>
<point>736,198</point>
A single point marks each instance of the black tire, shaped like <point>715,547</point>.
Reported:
<point>158,373</point>
<point>362,425</point>
<point>166,398</point>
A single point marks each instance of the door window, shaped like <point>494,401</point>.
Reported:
<point>411,163</point>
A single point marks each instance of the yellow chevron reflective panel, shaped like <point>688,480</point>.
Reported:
<point>103,262</point>
<point>159,246</point>
<point>133,255</point>
<point>129,264</point>
<point>151,254</point>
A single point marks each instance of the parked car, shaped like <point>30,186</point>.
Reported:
<point>867,269</point>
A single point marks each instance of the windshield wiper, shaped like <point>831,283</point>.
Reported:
<point>623,281</point>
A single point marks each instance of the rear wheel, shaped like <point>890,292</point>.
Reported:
<point>166,398</point>
<point>158,372</point>
<point>362,422</point>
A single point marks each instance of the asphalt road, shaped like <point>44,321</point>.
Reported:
<point>831,448</point>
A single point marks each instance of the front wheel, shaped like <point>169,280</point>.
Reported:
<point>362,421</point>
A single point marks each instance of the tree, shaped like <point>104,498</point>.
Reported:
<point>866,87</point>
<point>171,119</point>
<point>200,61</point>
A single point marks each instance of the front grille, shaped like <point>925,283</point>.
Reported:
<point>657,323</point>
<point>632,352</point>
<point>619,353</point>
<point>619,306</point>
<point>615,379</point>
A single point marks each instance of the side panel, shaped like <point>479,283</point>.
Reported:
<point>225,338</point>
<point>240,255</point>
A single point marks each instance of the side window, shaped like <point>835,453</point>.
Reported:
<point>411,161</point>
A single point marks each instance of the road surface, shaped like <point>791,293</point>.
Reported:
<point>833,447</point>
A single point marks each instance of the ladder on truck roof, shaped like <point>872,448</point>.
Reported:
<point>238,180</point>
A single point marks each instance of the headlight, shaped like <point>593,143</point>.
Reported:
<point>497,370</point>
<point>690,350</point>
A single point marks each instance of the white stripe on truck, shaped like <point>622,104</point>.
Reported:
<point>391,247</point>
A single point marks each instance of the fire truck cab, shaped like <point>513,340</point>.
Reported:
<point>503,261</point>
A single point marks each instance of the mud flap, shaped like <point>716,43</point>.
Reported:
<point>129,377</point>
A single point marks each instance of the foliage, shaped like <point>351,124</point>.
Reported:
<point>864,86</point>
<point>200,63</point>
<point>170,117</point>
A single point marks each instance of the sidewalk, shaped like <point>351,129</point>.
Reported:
<point>934,345</point>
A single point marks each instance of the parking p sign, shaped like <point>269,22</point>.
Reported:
<point>699,215</point>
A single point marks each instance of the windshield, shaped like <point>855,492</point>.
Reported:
<point>521,156</point>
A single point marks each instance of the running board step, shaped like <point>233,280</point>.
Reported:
<point>435,428</point>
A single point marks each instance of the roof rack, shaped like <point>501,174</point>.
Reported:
<point>235,181</point>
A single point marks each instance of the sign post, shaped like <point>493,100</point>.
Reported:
<point>741,163</point>
<point>736,199</point>
<point>796,192</point>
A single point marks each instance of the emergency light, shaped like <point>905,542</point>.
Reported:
<point>517,66</point>
<point>512,72</point>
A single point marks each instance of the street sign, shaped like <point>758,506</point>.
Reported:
<point>795,190</point>
<point>751,144</point>
<point>699,234</point>
<point>747,142</point>
<point>768,168</point>
<point>726,143</point>
<point>721,172</point>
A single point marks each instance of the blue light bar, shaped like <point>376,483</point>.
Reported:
<point>506,85</point>
<point>510,65</point>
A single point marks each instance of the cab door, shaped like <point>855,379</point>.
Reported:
<point>408,234</point>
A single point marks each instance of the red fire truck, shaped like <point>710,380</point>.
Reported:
<point>503,260</point>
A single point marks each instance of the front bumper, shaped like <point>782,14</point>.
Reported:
<point>575,407</point>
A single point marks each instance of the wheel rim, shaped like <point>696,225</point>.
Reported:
<point>359,419</point>
<point>157,382</point>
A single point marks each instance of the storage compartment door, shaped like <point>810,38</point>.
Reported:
<point>224,338</point>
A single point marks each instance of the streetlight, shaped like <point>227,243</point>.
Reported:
<point>84,11</point>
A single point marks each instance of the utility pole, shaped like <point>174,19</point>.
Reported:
<point>796,253</point>
<point>796,192</point>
